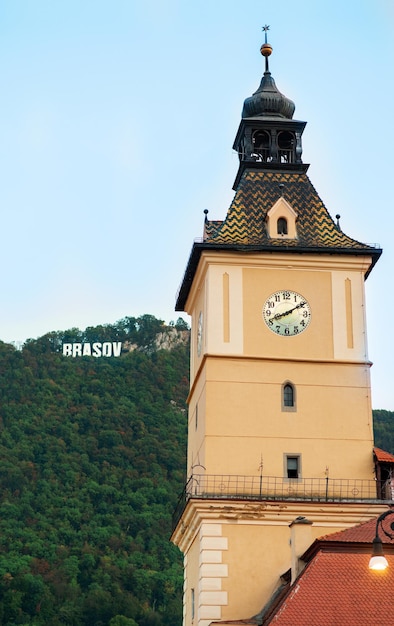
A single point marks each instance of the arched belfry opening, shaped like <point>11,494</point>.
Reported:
<point>262,146</point>
<point>268,136</point>
<point>286,147</point>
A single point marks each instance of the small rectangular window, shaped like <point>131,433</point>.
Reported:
<point>293,466</point>
<point>193,604</point>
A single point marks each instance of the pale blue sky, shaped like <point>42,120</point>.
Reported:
<point>117,120</point>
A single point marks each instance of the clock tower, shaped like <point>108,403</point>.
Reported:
<point>280,418</point>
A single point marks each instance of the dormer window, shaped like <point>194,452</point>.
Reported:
<point>282,226</point>
<point>281,221</point>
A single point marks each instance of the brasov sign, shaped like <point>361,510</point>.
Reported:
<point>107,348</point>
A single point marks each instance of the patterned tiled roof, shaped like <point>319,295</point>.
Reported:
<point>245,226</point>
<point>337,588</point>
<point>257,192</point>
<point>383,456</point>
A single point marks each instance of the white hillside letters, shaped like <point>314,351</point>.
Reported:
<point>96,349</point>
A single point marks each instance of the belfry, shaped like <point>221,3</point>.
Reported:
<point>280,439</point>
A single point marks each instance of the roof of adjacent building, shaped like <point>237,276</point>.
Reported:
<point>363,533</point>
<point>383,456</point>
<point>338,588</point>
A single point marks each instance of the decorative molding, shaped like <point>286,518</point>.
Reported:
<point>211,573</point>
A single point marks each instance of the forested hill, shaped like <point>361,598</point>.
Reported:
<point>92,462</point>
<point>383,426</point>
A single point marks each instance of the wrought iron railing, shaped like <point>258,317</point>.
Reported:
<point>286,155</point>
<point>278,488</point>
<point>262,155</point>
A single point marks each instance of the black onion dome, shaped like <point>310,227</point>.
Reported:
<point>268,101</point>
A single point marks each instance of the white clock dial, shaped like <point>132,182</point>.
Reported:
<point>287,313</point>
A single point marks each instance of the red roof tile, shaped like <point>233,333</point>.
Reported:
<point>383,456</point>
<point>363,533</point>
<point>337,588</point>
<point>237,622</point>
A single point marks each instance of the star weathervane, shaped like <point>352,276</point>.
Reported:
<point>266,48</point>
<point>265,29</point>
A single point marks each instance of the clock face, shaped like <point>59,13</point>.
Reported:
<point>199,333</point>
<point>287,313</point>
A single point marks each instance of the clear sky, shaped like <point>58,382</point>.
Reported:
<point>117,120</point>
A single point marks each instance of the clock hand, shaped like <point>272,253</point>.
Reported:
<point>279,315</point>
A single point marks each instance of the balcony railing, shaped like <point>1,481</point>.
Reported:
<point>230,487</point>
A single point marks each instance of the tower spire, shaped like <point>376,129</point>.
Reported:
<point>266,48</point>
<point>268,137</point>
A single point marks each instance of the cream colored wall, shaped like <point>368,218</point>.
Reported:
<point>197,427</point>
<point>316,341</point>
<point>236,551</point>
<point>250,558</point>
<point>245,418</point>
<point>259,552</point>
<point>191,581</point>
<point>327,335</point>
<point>252,279</point>
<point>237,380</point>
<point>217,293</point>
<point>352,282</point>
<point>222,314</point>
<point>240,417</point>
<point>199,305</point>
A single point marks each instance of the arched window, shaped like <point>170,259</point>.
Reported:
<point>288,397</point>
<point>282,226</point>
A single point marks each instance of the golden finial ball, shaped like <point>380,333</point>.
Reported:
<point>266,49</point>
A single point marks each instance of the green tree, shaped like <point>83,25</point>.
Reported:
<point>93,456</point>
<point>121,620</point>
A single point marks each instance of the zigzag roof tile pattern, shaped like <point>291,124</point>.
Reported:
<point>257,192</point>
<point>245,226</point>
